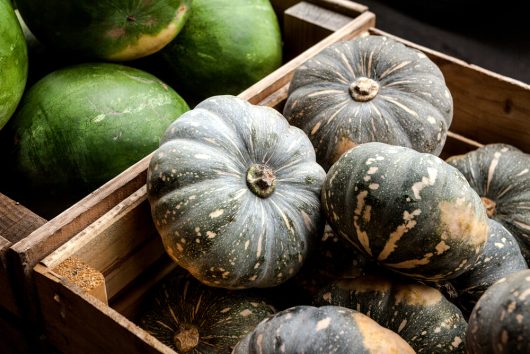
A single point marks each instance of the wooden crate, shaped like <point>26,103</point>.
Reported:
<point>26,238</point>
<point>123,245</point>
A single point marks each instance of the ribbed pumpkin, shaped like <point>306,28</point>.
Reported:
<point>370,89</point>
<point>326,329</point>
<point>410,211</point>
<point>500,174</point>
<point>193,318</point>
<point>500,322</point>
<point>501,257</point>
<point>421,315</point>
<point>234,192</point>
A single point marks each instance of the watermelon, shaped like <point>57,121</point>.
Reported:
<point>78,127</point>
<point>114,30</point>
<point>13,62</point>
<point>224,47</point>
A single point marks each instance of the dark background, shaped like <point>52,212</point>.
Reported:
<point>494,36</point>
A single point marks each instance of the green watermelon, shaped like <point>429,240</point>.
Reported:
<point>107,29</point>
<point>13,61</point>
<point>80,126</point>
<point>224,47</point>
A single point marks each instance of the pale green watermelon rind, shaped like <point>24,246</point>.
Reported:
<point>13,62</point>
<point>224,47</point>
<point>81,126</point>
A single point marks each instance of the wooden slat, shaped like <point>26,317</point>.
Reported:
<point>344,7</point>
<point>13,339</point>
<point>488,107</point>
<point>76,320</point>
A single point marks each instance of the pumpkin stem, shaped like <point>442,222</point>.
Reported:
<point>364,89</point>
<point>261,180</point>
<point>490,206</point>
<point>186,338</point>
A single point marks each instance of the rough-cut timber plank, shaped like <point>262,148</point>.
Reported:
<point>488,107</point>
<point>345,7</point>
<point>306,22</point>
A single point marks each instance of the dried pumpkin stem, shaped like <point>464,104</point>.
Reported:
<point>364,89</point>
<point>490,206</point>
<point>186,338</point>
<point>261,180</point>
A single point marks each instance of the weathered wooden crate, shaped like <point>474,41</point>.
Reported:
<point>26,238</point>
<point>122,249</point>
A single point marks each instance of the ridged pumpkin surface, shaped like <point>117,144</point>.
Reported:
<point>501,257</point>
<point>410,211</point>
<point>500,174</point>
<point>326,329</point>
<point>500,322</point>
<point>190,317</point>
<point>369,89</point>
<point>421,315</point>
<point>234,192</point>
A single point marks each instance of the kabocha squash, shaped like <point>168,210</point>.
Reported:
<point>190,317</point>
<point>500,174</point>
<point>13,62</point>
<point>410,211</point>
<point>500,258</point>
<point>234,193</point>
<point>500,322</point>
<point>80,126</point>
<point>225,47</point>
<point>326,329</point>
<point>369,89</point>
<point>421,315</point>
<point>106,29</point>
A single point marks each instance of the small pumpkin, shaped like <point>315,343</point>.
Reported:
<point>193,318</point>
<point>326,329</point>
<point>234,192</point>
<point>420,314</point>
<point>500,174</point>
<point>369,89</point>
<point>500,322</point>
<point>410,211</point>
<point>500,257</point>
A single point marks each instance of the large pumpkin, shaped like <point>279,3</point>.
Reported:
<point>410,211</point>
<point>500,174</point>
<point>421,315</point>
<point>369,89</point>
<point>193,318</point>
<point>501,257</point>
<point>500,322</point>
<point>326,329</point>
<point>234,192</point>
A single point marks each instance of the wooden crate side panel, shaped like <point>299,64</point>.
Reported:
<point>78,323</point>
<point>488,107</point>
<point>13,339</point>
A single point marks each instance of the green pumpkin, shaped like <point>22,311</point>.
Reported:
<point>501,257</point>
<point>107,29</point>
<point>500,322</point>
<point>372,88</point>
<point>192,318</point>
<point>420,314</point>
<point>234,193</point>
<point>410,211</point>
<point>326,329</point>
<point>500,174</point>
<point>13,62</point>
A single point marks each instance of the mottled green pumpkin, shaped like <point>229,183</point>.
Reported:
<point>500,322</point>
<point>501,257</point>
<point>420,314</point>
<point>369,89</point>
<point>410,211</point>
<point>500,174</point>
<point>234,192</point>
<point>193,318</point>
<point>326,329</point>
